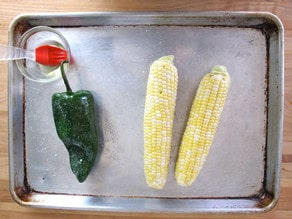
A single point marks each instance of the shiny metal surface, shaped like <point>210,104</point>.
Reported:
<point>111,55</point>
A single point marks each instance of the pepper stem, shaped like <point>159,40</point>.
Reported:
<point>66,82</point>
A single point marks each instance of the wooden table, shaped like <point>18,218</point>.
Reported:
<point>11,8</point>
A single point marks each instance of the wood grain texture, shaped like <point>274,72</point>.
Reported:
<point>11,8</point>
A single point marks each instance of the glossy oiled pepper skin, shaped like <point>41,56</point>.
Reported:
<point>74,116</point>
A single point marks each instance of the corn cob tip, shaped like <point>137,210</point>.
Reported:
<point>168,59</point>
<point>219,69</point>
<point>219,72</point>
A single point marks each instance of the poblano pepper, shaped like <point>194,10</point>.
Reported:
<point>74,116</point>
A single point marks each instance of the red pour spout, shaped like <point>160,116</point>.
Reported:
<point>50,55</point>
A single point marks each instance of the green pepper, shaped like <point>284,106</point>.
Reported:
<point>74,116</point>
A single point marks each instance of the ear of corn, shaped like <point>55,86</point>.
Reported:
<point>158,120</point>
<point>201,125</point>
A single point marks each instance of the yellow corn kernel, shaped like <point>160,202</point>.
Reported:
<point>158,120</point>
<point>201,125</point>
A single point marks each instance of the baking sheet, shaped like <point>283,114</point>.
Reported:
<point>111,55</point>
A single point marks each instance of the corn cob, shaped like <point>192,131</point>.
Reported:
<point>201,125</point>
<point>158,120</point>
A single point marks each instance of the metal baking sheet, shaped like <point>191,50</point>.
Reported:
<point>112,53</point>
